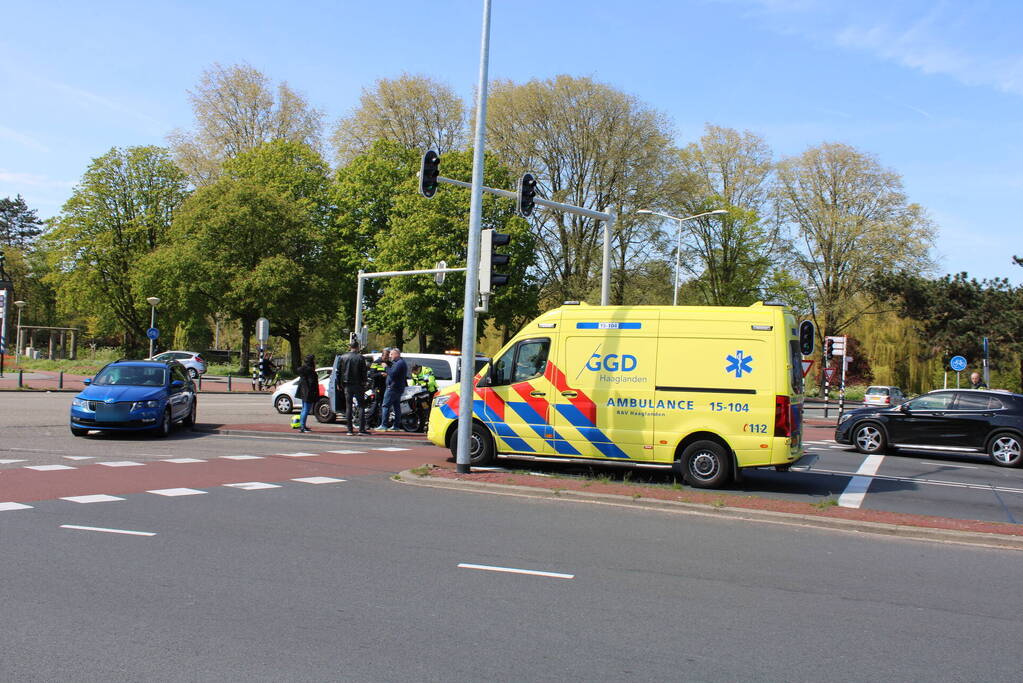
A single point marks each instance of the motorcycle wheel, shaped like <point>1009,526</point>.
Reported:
<point>410,422</point>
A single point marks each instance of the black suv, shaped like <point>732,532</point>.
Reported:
<point>958,420</point>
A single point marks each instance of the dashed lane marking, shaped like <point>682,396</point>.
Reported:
<point>126,532</point>
<point>10,462</point>
<point>242,457</point>
<point>253,485</point>
<point>6,507</point>
<point>121,463</point>
<point>391,449</point>
<point>79,457</point>
<point>49,468</point>
<point>857,487</point>
<point>945,464</point>
<point>182,461</point>
<point>318,480</point>
<point>176,492</point>
<point>95,498</point>
<point>513,570</point>
<point>343,452</point>
<point>298,455</point>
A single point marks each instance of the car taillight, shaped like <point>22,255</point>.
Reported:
<point>198,359</point>
<point>887,400</point>
<point>782,416</point>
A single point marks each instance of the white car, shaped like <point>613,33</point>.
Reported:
<point>446,366</point>
<point>284,398</point>
<point>192,361</point>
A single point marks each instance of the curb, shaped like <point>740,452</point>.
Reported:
<point>322,436</point>
<point>970,538</point>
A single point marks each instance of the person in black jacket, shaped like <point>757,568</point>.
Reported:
<point>352,378</point>
<point>308,389</point>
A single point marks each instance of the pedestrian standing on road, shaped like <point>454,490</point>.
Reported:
<point>397,380</point>
<point>976,382</point>
<point>308,389</point>
<point>353,378</point>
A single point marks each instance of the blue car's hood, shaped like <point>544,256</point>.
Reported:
<point>115,394</point>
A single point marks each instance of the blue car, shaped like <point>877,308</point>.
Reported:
<point>135,395</point>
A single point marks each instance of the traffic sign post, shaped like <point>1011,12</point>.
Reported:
<point>262,332</point>
<point>957,363</point>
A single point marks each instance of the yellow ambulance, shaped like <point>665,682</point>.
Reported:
<point>705,390</point>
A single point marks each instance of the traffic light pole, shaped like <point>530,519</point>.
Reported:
<point>608,218</point>
<point>389,273</point>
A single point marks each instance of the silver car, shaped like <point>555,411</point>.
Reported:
<point>883,396</point>
<point>193,362</point>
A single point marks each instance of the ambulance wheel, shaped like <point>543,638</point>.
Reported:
<point>481,446</point>
<point>706,465</point>
<point>323,412</point>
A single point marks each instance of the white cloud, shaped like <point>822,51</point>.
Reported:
<point>22,139</point>
<point>32,180</point>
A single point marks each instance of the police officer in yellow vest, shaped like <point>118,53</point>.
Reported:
<point>424,377</point>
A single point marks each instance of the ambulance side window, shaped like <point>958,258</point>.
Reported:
<point>524,361</point>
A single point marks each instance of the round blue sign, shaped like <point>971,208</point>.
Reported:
<point>958,363</point>
<point>154,334</point>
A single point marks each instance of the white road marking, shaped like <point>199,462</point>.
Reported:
<point>127,532</point>
<point>298,455</point>
<point>391,449</point>
<point>176,492</point>
<point>921,480</point>
<point>49,468</point>
<point>10,462</point>
<point>242,457</point>
<point>183,460</point>
<point>253,486</point>
<point>4,507</point>
<point>318,480</point>
<point>945,464</point>
<point>121,463</point>
<point>79,457</point>
<point>97,498</point>
<point>857,487</point>
<point>348,452</point>
<point>512,570</point>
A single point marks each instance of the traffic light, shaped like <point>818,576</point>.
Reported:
<point>488,259</point>
<point>829,349</point>
<point>806,337</point>
<point>429,171</point>
<point>527,194</point>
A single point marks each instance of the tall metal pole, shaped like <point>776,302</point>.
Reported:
<point>358,304</point>
<point>473,264</point>
<point>605,274</point>
<point>152,323</point>
<point>678,263</point>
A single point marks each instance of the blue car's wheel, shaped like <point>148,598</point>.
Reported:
<point>164,428</point>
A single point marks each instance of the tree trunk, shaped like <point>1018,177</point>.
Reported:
<point>399,338</point>
<point>294,337</point>
<point>248,326</point>
<point>422,342</point>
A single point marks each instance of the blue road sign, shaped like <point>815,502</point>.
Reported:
<point>958,363</point>
<point>154,334</point>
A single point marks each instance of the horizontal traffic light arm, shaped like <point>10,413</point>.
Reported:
<point>578,210</point>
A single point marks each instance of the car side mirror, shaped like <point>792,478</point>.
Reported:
<point>177,384</point>
<point>86,381</point>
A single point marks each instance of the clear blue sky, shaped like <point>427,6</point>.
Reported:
<point>933,89</point>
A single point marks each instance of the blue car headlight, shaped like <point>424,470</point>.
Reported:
<point>81,403</point>
<point>139,405</point>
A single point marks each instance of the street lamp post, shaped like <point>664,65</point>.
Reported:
<point>153,300</point>
<point>17,339</point>
<point>678,246</point>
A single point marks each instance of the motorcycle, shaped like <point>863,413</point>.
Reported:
<point>415,409</point>
<point>324,412</point>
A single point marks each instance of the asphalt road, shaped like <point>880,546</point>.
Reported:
<point>361,580</point>
<point>34,433</point>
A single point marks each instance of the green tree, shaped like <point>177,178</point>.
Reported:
<point>392,227</point>
<point>119,212</point>
<point>851,223</point>
<point>236,109</point>
<point>19,225</point>
<point>417,112</point>
<point>590,145</point>
<point>730,256</point>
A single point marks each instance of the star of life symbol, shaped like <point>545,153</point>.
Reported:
<point>739,363</point>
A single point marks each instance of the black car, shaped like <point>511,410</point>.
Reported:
<point>961,420</point>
